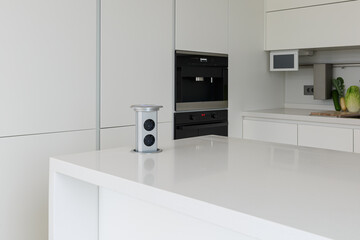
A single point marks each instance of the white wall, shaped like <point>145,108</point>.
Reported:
<point>295,81</point>
<point>251,84</point>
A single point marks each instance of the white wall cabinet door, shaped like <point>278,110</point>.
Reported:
<point>125,136</point>
<point>333,138</point>
<point>137,58</point>
<point>357,140</point>
<point>47,66</point>
<point>277,132</point>
<point>24,177</point>
<point>202,25</point>
<point>276,5</point>
<point>314,27</point>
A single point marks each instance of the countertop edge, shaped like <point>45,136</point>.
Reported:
<point>227,218</point>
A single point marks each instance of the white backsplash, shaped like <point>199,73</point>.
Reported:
<point>295,81</point>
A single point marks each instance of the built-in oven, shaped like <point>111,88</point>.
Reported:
<point>201,81</point>
<point>200,123</point>
<point>201,94</point>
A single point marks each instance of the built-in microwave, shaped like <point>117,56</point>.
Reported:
<point>284,60</point>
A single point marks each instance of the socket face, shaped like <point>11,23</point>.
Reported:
<point>146,132</point>
<point>308,89</point>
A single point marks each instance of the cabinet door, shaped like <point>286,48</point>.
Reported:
<point>357,140</point>
<point>334,138</point>
<point>314,27</point>
<point>275,5</point>
<point>125,136</point>
<point>47,66</point>
<point>137,58</point>
<point>202,25</point>
<point>24,168</point>
<point>277,132</point>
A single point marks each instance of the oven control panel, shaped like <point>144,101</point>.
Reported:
<point>200,123</point>
<point>200,117</point>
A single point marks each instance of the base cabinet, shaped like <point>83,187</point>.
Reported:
<point>357,140</point>
<point>325,136</point>
<point>24,176</point>
<point>270,131</point>
<point>333,138</point>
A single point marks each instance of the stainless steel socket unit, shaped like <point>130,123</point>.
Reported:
<point>146,136</point>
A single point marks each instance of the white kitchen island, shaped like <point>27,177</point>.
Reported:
<point>206,188</point>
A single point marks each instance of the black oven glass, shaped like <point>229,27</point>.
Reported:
<point>210,87</point>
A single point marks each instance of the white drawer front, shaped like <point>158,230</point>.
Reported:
<point>270,131</point>
<point>357,140</point>
<point>326,137</point>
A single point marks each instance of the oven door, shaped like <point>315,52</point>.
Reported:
<point>201,130</point>
<point>199,88</point>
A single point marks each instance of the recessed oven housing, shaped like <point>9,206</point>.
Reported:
<point>201,81</point>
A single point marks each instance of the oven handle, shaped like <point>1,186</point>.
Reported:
<point>199,126</point>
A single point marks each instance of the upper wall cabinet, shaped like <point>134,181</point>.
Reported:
<point>202,25</point>
<point>47,66</point>
<point>137,58</point>
<point>322,26</point>
<point>276,5</point>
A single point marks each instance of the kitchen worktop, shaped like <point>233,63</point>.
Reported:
<point>263,190</point>
<point>299,115</point>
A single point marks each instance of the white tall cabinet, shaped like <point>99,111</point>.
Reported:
<point>202,25</point>
<point>137,58</point>
<point>137,62</point>
<point>47,102</point>
<point>47,66</point>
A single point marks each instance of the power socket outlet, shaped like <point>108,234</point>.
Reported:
<point>308,89</point>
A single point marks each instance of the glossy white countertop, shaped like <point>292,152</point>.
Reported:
<point>295,114</point>
<point>311,190</point>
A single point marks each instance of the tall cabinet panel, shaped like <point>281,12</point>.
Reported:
<point>47,66</point>
<point>24,168</point>
<point>202,25</point>
<point>137,58</point>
